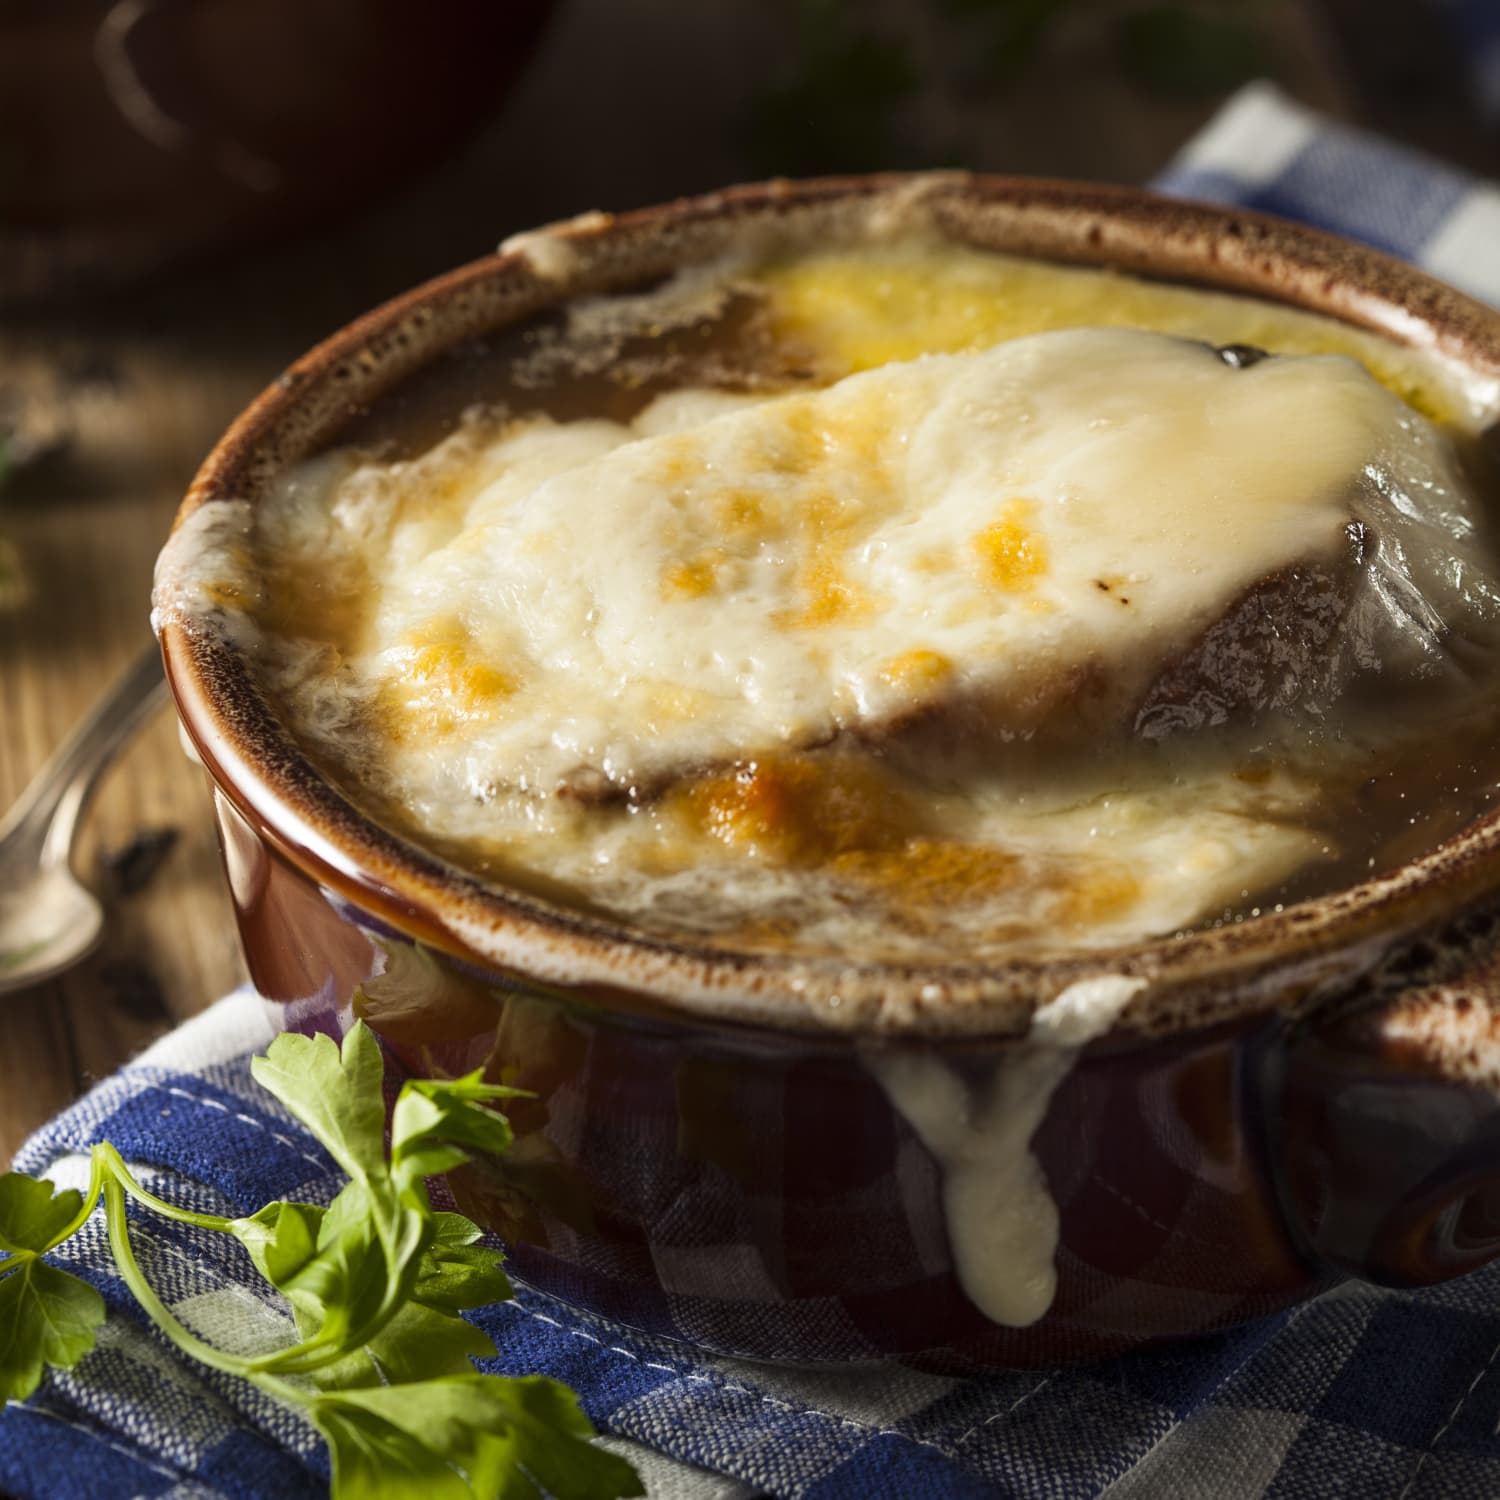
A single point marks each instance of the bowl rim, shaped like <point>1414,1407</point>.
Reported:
<point>1205,976</point>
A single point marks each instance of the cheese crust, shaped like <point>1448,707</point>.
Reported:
<point>881,661</point>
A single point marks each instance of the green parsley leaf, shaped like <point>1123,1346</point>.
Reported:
<point>419,1343</point>
<point>375,1460</point>
<point>334,1091</point>
<point>47,1317</point>
<point>426,1339</point>
<point>434,1119</point>
<point>455,1272</point>
<point>521,1439</point>
<point>326,1263</point>
<point>340,1289</point>
<point>383,1363</point>
<point>34,1215</point>
<point>281,1238</point>
<point>374,1230</point>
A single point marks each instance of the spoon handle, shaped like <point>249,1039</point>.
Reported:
<point>49,809</point>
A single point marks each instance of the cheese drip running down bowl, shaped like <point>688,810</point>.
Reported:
<point>891,700</point>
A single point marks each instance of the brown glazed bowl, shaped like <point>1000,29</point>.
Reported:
<point>1307,1095</point>
<point>136,137</point>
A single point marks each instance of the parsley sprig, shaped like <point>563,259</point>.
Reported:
<point>376,1281</point>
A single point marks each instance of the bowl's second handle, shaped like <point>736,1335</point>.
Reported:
<point>1383,1116</point>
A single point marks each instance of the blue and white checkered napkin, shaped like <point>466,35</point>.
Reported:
<point>1377,1394</point>
<point>1265,152</point>
<point>1372,1394</point>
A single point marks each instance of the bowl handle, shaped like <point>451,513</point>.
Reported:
<point>1383,1115</point>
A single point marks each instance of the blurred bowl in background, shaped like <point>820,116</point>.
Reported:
<point>137,135</point>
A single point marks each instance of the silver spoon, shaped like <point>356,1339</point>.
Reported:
<point>48,921</point>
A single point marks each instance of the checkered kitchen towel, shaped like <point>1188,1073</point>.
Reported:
<point>1372,1394</point>
<point>1364,1393</point>
<point>1267,153</point>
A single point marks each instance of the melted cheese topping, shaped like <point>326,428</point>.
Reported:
<point>625,605</point>
<point>860,307</point>
<point>862,666</point>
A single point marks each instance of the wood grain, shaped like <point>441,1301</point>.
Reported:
<point>87,528</point>
<point>586,130</point>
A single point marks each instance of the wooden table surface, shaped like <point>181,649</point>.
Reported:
<point>148,381</point>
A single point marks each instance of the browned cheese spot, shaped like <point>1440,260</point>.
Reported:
<point>1011,554</point>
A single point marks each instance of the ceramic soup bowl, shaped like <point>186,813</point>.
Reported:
<point>711,1153</point>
